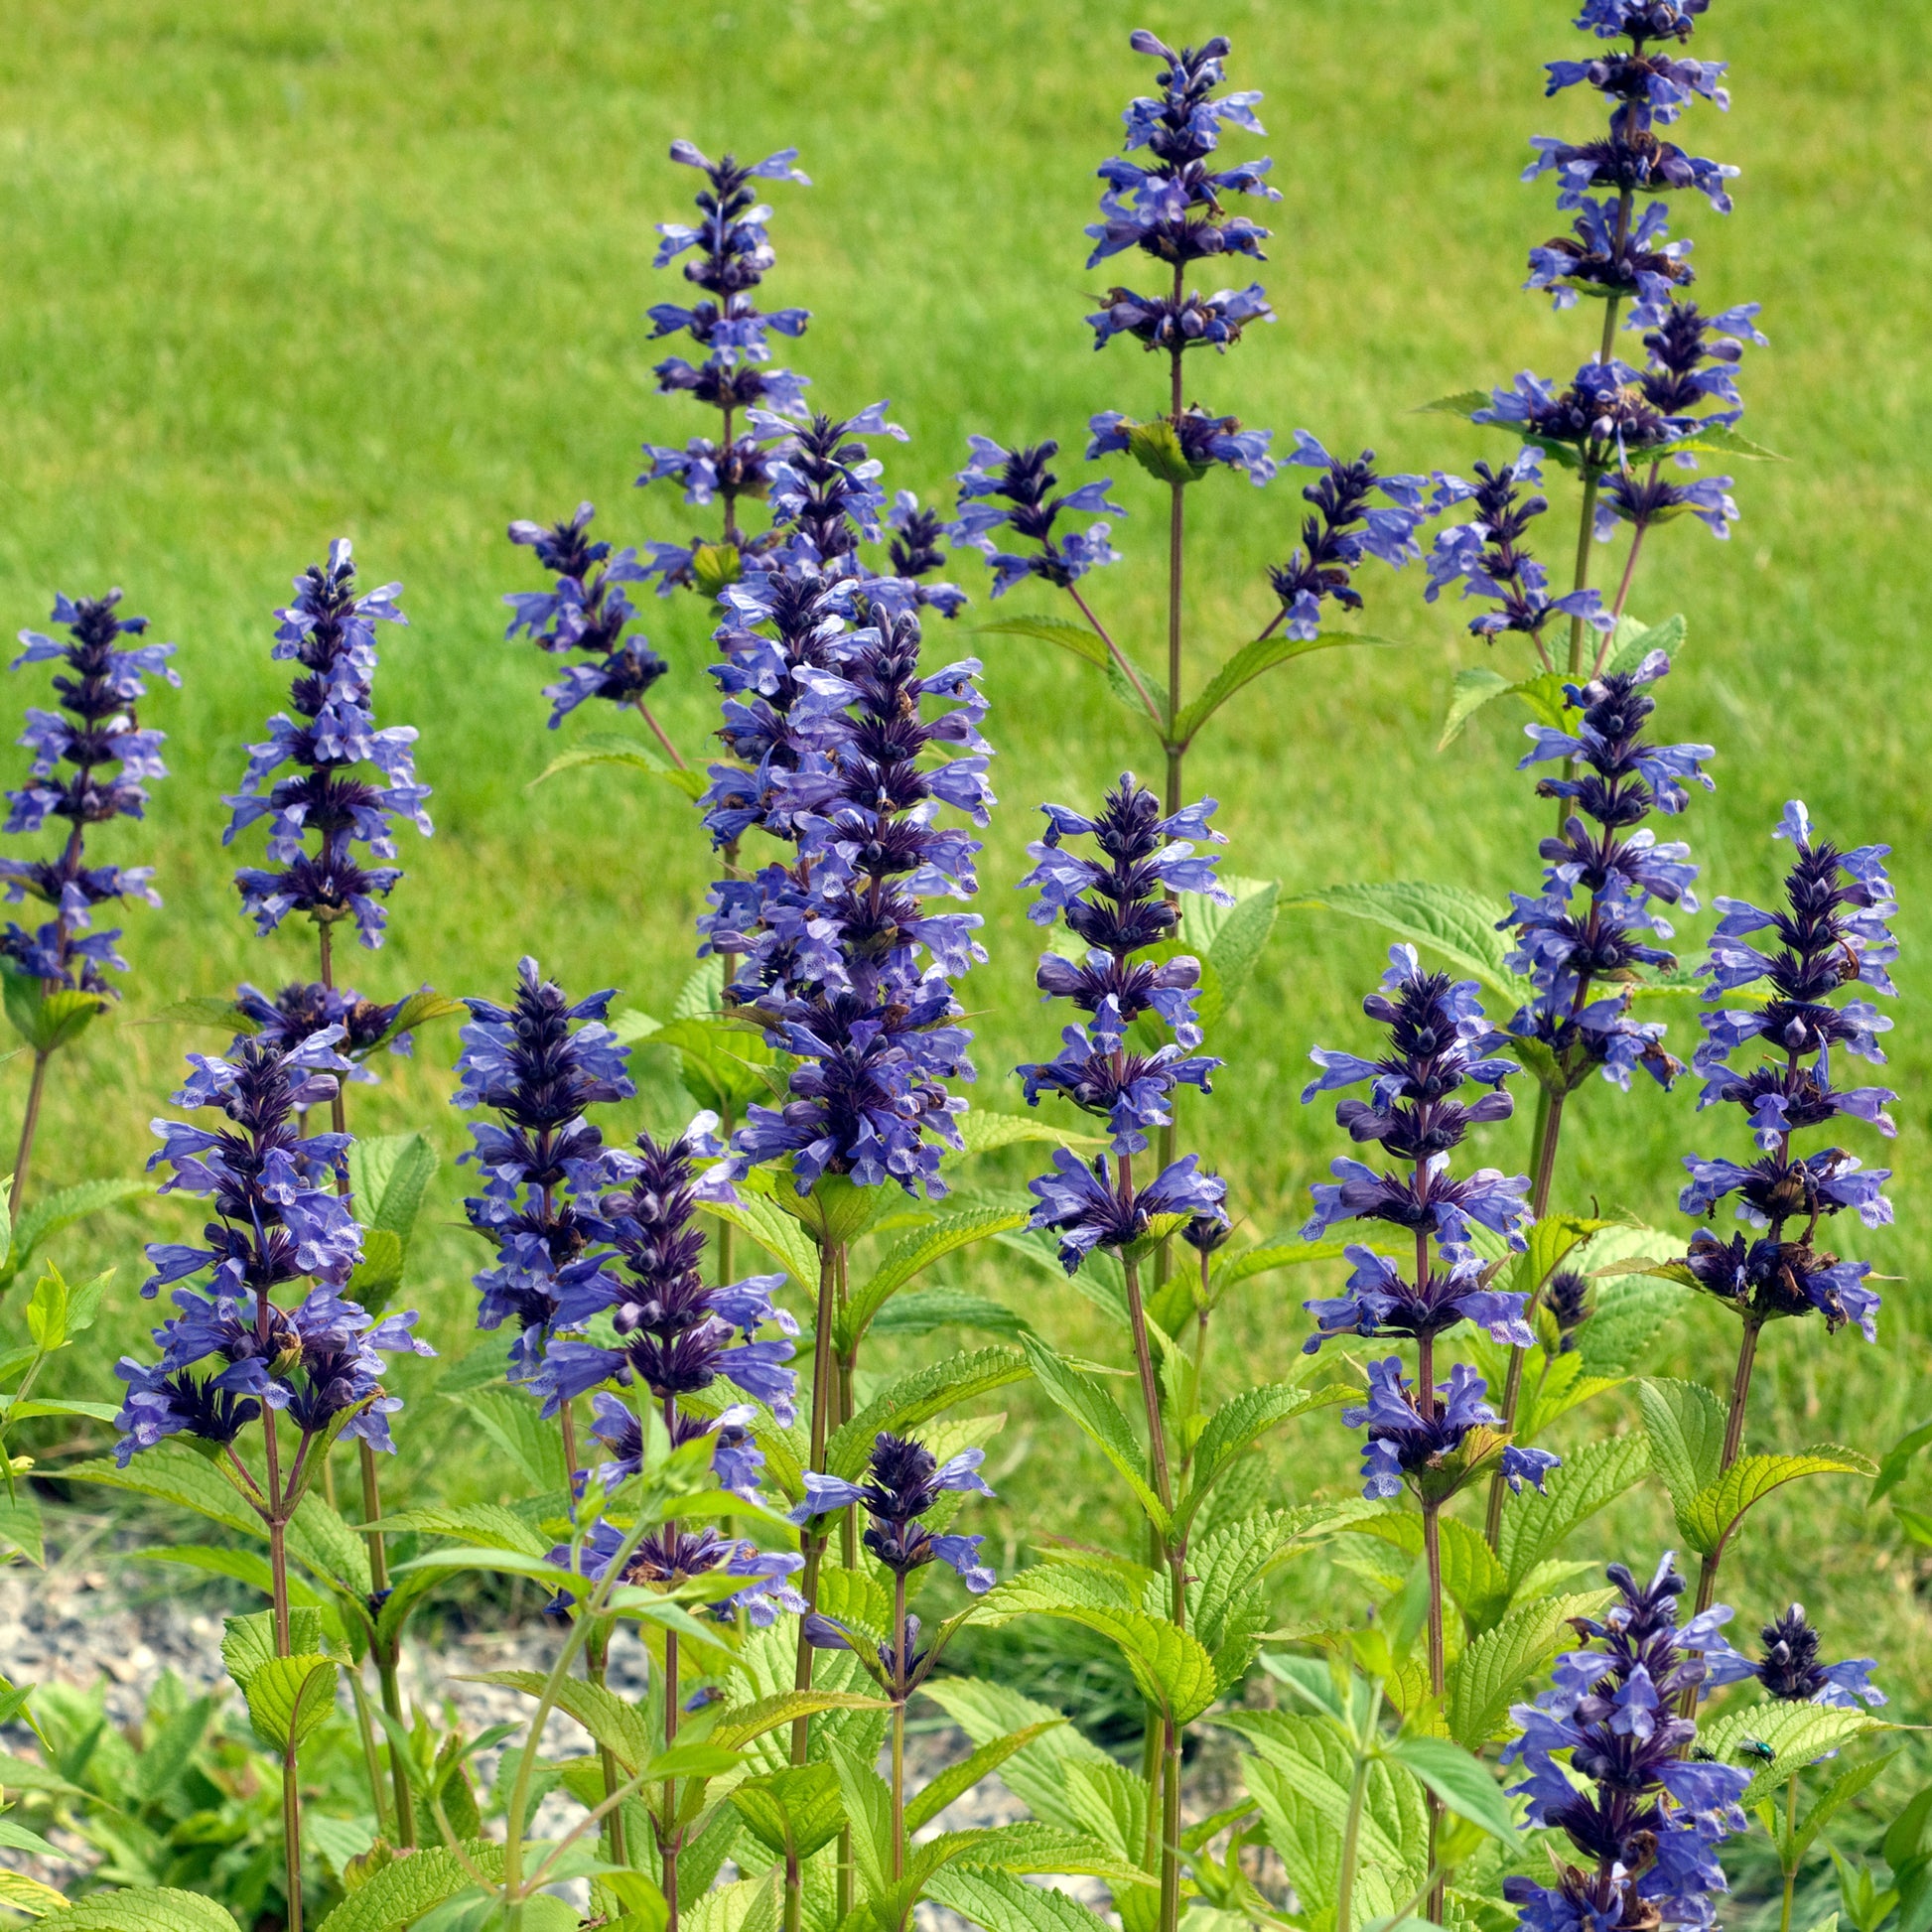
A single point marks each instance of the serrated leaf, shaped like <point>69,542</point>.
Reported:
<point>46,1021</point>
<point>867,1802</point>
<point>513,1422</point>
<point>793,1811</point>
<point>956,1780</point>
<point>21,1527</point>
<point>248,1642</point>
<point>1469,690</point>
<point>488,1524</point>
<point>614,1723</point>
<point>1797,1734</point>
<point>1633,642</point>
<point>1685,1426</point>
<point>744,1722</point>
<point>1463,1783</point>
<point>389,1175</point>
<point>911,1255</point>
<point>325,1546</point>
<point>29,1895</point>
<point>927,1308</point>
<point>244,1566</point>
<point>982,1130</point>
<point>1464,403</point>
<point>1490,1674</point>
<point>1837,1794</point>
<point>725,1064</point>
<point>1472,1576</point>
<point>1719,1507</point>
<point>619,749</point>
<point>776,1233</point>
<point>1000,1903</point>
<point>163,1909</point>
<point>1037,1773</point>
<point>174,1474</point>
<point>1077,638</point>
<point>918,1395</point>
<point>403,1890</point>
<point>55,1214</point>
<point>1552,1386</point>
<point>1241,934</point>
<point>1458,926</point>
<point>1235,1426</point>
<point>1098,1418</point>
<point>1254,659</point>
<point>1534,1526</point>
<point>1235,1268</point>
<point>290,1698</point>
<point>1171,1666</point>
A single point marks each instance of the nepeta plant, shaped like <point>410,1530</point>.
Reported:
<point>59,967</point>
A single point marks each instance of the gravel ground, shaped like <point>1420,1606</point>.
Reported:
<point>90,1615</point>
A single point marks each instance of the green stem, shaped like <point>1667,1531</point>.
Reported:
<point>668,1834</point>
<point>597,1652</point>
<point>1741,1389</point>
<point>1351,1830</point>
<point>278,1567</point>
<point>1170,1829</point>
<point>1432,1547</point>
<point>29,1122</point>
<point>898,1726</point>
<point>385,1824</point>
<point>1787,1860</point>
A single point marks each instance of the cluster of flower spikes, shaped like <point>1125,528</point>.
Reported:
<point>1790,1670</point>
<point>278,1220</point>
<point>1438,1042</point>
<point>99,689</point>
<point>329,631</point>
<point>1832,934</point>
<point>903,1482</point>
<point>1115,904</point>
<point>586,611</point>
<point>1567,952</point>
<point>538,1064</point>
<point>1648,1817</point>
<point>829,947</point>
<point>733,253</point>
<point>674,1340</point>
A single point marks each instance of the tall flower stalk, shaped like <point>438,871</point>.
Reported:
<point>1120,904</point>
<point>1831,935</point>
<point>1432,1436</point>
<point>333,740</point>
<point>98,735</point>
<point>235,1355</point>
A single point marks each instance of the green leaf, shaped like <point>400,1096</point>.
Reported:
<point>957,1779</point>
<point>917,1397</point>
<point>1487,1679</point>
<point>1534,1526</point>
<point>46,1021</point>
<point>1099,1419</point>
<point>248,1642</point>
<point>1237,945</point>
<point>378,1274</point>
<point>914,1253</point>
<point>1464,403</point>
<point>1719,1506</point>
<point>513,1422</point>
<point>1469,690</point>
<point>1171,1666</point>
<point>488,1524</point>
<point>163,1909</point>
<point>1459,927</point>
<point>403,1890</point>
<point>983,1131</point>
<point>325,1546</point>
<point>868,1803</point>
<point>19,1525</point>
<point>1068,633</point>
<point>389,1175</point>
<point>244,1566</point>
<point>927,1308</point>
<point>714,566</point>
<point>1003,1904</point>
<point>1240,1422</point>
<point>1685,1426</point>
<point>1728,441</point>
<point>174,1474</point>
<point>1838,1793</point>
<point>1157,447</point>
<point>1463,1783</point>
<point>1636,642</point>
<point>1898,1460</point>
<point>290,1697</point>
<point>1252,660</point>
<point>778,1233</point>
<point>1037,1774</point>
<point>29,1895</point>
<point>1235,1268</point>
<point>618,748</point>
<point>1797,1734</point>
<point>741,1723</point>
<point>55,1214</point>
<point>793,1811</point>
<point>614,1723</point>
<point>724,1062</point>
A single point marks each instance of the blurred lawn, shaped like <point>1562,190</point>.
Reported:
<point>278,272</point>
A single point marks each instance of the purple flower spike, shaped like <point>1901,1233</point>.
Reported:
<point>97,733</point>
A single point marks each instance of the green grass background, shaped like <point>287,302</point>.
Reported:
<point>273,273</point>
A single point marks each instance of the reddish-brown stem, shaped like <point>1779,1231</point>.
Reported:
<point>30,1122</point>
<point>658,730</point>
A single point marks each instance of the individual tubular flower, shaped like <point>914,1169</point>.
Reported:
<point>538,1064</point>
<point>733,253</point>
<point>903,1483</point>
<point>1439,1039</point>
<point>1432,1449</point>
<point>586,611</point>
<point>1115,902</point>
<point>674,1333</point>
<point>331,633</point>
<point>277,1221</point>
<point>673,1555</point>
<point>1832,934</point>
<point>1346,528</point>
<point>1172,207</point>
<point>1020,480</point>
<point>1488,557</point>
<point>1790,1671</point>
<point>97,733</point>
<point>1582,959</point>
<point>1644,1815</point>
